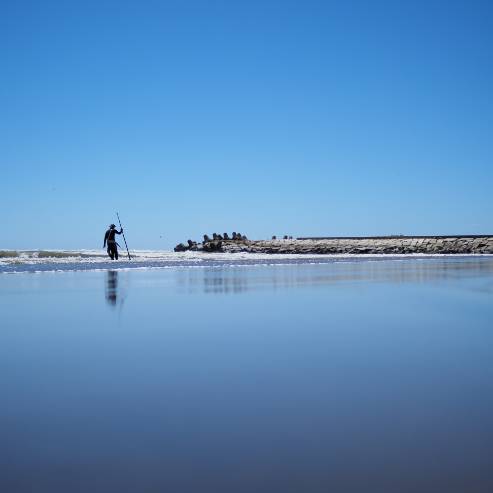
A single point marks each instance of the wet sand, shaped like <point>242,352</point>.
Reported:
<point>342,376</point>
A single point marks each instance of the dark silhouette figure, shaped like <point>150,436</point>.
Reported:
<point>109,239</point>
<point>112,287</point>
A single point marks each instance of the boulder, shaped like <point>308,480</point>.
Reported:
<point>212,246</point>
<point>206,239</point>
<point>181,248</point>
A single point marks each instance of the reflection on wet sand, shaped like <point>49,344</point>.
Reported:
<point>237,280</point>
<point>111,291</point>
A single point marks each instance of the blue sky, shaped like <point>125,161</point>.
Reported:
<point>265,117</point>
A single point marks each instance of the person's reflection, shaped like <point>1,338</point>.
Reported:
<point>111,287</point>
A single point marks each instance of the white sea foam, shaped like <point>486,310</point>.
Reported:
<point>70,260</point>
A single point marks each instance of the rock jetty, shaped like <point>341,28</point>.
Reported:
<point>345,245</point>
<point>218,243</point>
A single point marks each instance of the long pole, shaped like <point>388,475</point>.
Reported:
<point>128,253</point>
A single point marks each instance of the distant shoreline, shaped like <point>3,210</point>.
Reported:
<point>390,237</point>
<point>348,245</point>
<point>458,244</point>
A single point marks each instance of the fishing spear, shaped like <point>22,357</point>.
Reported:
<point>124,239</point>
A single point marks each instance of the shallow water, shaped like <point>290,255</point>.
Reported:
<point>343,375</point>
<point>36,261</point>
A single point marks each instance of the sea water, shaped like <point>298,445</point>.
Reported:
<point>196,373</point>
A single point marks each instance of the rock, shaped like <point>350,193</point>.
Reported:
<point>212,246</point>
<point>385,245</point>
<point>192,245</point>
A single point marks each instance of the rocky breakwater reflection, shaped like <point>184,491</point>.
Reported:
<point>474,244</point>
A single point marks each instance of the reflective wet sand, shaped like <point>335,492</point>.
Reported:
<point>366,376</point>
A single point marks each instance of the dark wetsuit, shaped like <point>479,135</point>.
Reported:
<point>109,238</point>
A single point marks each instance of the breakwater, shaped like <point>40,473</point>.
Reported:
<point>459,244</point>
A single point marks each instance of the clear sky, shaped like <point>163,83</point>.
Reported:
<point>265,117</point>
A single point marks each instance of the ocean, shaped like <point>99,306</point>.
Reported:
<point>246,373</point>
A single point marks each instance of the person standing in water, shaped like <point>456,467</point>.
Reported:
<point>109,239</point>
